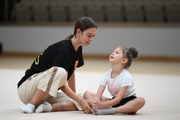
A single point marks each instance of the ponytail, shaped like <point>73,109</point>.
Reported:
<point>69,37</point>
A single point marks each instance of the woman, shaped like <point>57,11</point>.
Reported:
<point>54,67</point>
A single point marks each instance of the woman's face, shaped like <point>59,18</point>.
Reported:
<point>87,36</point>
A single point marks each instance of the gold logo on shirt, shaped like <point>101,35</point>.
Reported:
<point>36,61</point>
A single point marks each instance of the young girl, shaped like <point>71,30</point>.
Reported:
<point>120,85</point>
<point>53,68</point>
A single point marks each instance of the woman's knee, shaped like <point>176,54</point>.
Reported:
<point>58,75</point>
<point>59,71</point>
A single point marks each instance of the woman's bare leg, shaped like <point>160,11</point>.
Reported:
<point>59,106</point>
<point>38,97</point>
<point>64,106</point>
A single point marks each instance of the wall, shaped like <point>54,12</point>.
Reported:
<point>149,41</point>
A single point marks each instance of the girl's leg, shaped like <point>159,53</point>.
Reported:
<point>89,96</point>
<point>132,106</point>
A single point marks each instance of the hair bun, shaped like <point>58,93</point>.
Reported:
<point>133,51</point>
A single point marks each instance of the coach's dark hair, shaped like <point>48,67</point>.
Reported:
<point>83,24</point>
<point>130,54</point>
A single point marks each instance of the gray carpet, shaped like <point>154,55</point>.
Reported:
<point>161,92</point>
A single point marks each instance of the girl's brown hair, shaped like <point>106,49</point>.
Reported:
<point>130,54</point>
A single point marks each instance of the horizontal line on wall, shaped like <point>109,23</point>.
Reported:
<point>100,56</point>
<point>106,24</point>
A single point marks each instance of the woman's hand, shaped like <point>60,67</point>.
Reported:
<point>86,106</point>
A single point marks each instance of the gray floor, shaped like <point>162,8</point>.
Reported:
<point>161,91</point>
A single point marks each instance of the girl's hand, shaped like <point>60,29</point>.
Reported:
<point>96,104</point>
<point>86,106</point>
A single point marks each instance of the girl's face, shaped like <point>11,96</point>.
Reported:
<point>116,56</point>
<point>87,36</point>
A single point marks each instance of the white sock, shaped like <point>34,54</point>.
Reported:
<point>108,111</point>
<point>45,107</point>
<point>29,108</point>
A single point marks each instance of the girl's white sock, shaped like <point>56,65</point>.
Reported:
<point>29,108</point>
<point>45,107</point>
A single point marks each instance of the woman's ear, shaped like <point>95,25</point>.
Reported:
<point>78,31</point>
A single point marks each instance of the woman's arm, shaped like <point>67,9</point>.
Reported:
<point>84,103</point>
<point>114,101</point>
<point>72,82</point>
<point>65,88</point>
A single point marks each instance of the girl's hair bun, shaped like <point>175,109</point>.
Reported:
<point>134,52</point>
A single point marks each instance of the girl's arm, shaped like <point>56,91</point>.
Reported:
<point>98,96</point>
<point>114,101</point>
<point>99,92</point>
<point>72,82</point>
